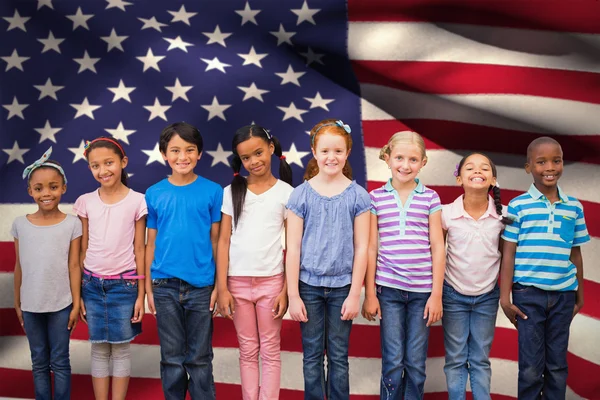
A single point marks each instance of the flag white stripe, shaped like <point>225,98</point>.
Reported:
<point>403,41</point>
<point>506,111</point>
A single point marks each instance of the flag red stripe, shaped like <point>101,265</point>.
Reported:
<point>553,15</point>
<point>463,78</point>
<point>7,256</point>
<point>454,135</point>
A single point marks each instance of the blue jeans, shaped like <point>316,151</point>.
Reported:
<point>185,326</point>
<point>325,332</point>
<point>469,323</point>
<point>543,341</point>
<point>48,338</point>
<point>404,339</point>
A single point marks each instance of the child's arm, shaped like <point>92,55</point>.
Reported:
<point>433,308</point>
<point>18,278</point>
<point>75,281</point>
<point>139,249</point>
<point>507,271</point>
<point>148,259</point>
<point>577,259</point>
<point>292,266</point>
<point>82,252</point>
<point>350,308</point>
<point>225,303</point>
<point>371,304</point>
<point>214,239</point>
<point>280,304</point>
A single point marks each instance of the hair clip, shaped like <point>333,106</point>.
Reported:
<point>267,133</point>
<point>497,185</point>
<point>341,124</point>
<point>456,170</point>
<point>87,145</point>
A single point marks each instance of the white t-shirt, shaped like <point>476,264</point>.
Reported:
<point>256,248</point>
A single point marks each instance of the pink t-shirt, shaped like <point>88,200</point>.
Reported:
<point>111,231</point>
<point>473,257</point>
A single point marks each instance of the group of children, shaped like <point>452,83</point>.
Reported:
<point>191,249</point>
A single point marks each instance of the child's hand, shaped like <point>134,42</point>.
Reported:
<point>370,308</point>
<point>511,311</point>
<point>578,305</point>
<point>225,303</point>
<point>150,300</point>
<point>82,312</point>
<point>138,310</point>
<point>213,302</point>
<point>297,309</point>
<point>20,316</point>
<point>350,307</point>
<point>280,305</point>
<point>433,310</point>
<point>73,318</point>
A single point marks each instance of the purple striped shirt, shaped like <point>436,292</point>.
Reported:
<point>404,256</point>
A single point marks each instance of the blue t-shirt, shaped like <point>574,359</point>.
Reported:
<point>327,252</point>
<point>183,216</point>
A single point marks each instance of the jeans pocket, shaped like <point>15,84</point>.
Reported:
<point>130,284</point>
<point>158,282</point>
<point>567,229</point>
<point>85,280</point>
<point>518,288</point>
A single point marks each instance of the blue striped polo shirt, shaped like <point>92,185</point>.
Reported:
<point>404,256</point>
<point>545,234</point>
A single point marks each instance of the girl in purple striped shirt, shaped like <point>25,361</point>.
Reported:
<point>405,268</point>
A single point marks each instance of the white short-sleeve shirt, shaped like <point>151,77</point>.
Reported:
<point>256,247</point>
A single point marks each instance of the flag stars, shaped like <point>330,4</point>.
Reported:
<point>215,109</point>
<point>152,23</point>
<point>292,112</point>
<point>121,92</point>
<point>179,91</point>
<point>294,156</point>
<point>16,21</point>
<point>15,109</point>
<point>14,61</point>
<point>253,58</point>
<point>78,151</point>
<point>117,4</point>
<point>182,15</point>
<point>178,43</point>
<point>120,133</point>
<point>219,156</point>
<point>290,76</point>
<point>85,108</point>
<point>80,19</point>
<point>47,3</point>
<point>86,63</point>
<point>215,64</point>
<point>283,36</point>
<point>217,36</point>
<point>157,110</point>
<point>305,14</point>
<point>114,41</point>
<point>47,132</point>
<point>154,155</point>
<point>248,14</point>
<point>318,101</point>
<point>51,43</point>
<point>312,57</point>
<point>252,92</point>
<point>48,90</point>
<point>15,153</point>
<point>150,60</point>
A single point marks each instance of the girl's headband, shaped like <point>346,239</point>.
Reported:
<point>41,162</point>
<point>87,145</point>
<point>339,123</point>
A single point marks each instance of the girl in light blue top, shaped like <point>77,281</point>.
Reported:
<point>327,239</point>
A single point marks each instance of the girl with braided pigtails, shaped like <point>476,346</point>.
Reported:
<point>251,286</point>
<point>472,227</point>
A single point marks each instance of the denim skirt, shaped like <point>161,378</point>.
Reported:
<point>109,305</point>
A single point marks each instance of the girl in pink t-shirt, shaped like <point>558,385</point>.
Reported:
<point>472,227</point>
<point>112,254</point>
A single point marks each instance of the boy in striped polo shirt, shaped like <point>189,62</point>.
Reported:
<point>543,266</point>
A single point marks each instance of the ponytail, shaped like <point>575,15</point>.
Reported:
<point>239,186</point>
<point>498,203</point>
<point>285,171</point>
<point>312,169</point>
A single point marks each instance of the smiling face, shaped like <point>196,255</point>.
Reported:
<point>106,166</point>
<point>46,187</point>
<point>477,172</point>
<point>255,154</point>
<point>545,164</point>
<point>405,162</point>
<point>182,156</point>
<point>331,152</point>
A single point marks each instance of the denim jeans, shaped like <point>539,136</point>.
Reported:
<point>48,338</point>
<point>325,332</point>
<point>404,338</point>
<point>469,323</point>
<point>185,326</point>
<point>543,341</point>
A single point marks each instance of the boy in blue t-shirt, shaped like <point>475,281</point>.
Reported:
<point>184,213</point>
<point>543,266</point>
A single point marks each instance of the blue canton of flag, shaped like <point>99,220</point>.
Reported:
<point>75,70</point>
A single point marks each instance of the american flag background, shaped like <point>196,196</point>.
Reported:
<point>466,74</point>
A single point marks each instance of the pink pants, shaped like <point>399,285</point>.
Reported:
<point>257,331</point>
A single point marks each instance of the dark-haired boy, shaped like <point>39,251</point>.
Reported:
<point>543,266</point>
<point>184,213</point>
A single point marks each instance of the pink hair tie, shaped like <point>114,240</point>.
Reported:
<point>282,158</point>
<point>236,173</point>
